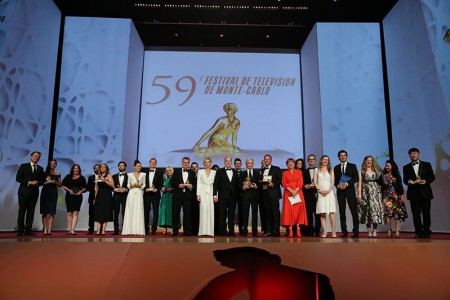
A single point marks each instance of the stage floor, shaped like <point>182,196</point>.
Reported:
<point>110,267</point>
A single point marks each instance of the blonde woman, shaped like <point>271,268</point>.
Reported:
<point>326,201</point>
<point>205,181</point>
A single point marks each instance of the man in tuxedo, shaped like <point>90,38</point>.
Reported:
<point>195,204</point>
<point>225,194</point>
<point>310,193</point>
<point>262,212</point>
<point>248,185</point>
<point>345,186</point>
<point>183,181</point>
<point>120,194</point>
<point>239,170</point>
<point>418,176</point>
<point>271,195</point>
<point>152,196</point>
<point>30,176</point>
<point>91,197</point>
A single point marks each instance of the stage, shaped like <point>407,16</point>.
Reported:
<point>93,267</point>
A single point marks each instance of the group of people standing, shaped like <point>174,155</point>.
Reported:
<point>209,197</point>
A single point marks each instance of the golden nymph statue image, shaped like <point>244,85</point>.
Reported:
<point>220,132</point>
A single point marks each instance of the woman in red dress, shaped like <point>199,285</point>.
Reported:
<point>293,215</point>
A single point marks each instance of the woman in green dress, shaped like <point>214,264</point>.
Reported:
<point>165,210</point>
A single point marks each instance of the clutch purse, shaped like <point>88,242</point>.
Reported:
<point>295,199</point>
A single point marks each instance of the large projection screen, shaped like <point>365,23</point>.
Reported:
<point>188,99</point>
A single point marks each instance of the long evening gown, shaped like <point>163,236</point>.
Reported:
<point>392,189</point>
<point>103,211</point>
<point>205,190</point>
<point>371,210</point>
<point>165,209</point>
<point>325,204</point>
<point>133,221</point>
<point>293,214</point>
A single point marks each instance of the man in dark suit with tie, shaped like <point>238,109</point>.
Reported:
<point>418,176</point>
<point>238,215</point>
<point>30,176</point>
<point>310,193</point>
<point>271,195</point>
<point>120,194</point>
<point>183,181</point>
<point>346,192</point>
<point>152,196</point>
<point>248,185</point>
<point>91,197</point>
<point>225,194</point>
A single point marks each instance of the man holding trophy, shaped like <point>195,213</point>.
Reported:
<point>249,197</point>
<point>418,175</point>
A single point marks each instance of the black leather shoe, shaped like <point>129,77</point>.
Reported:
<point>355,235</point>
<point>153,232</point>
<point>174,234</point>
<point>187,234</point>
<point>267,234</point>
<point>230,234</point>
<point>343,235</point>
<point>30,233</point>
<point>90,232</point>
<point>19,233</point>
<point>276,234</point>
<point>255,234</point>
<point>116,232</point>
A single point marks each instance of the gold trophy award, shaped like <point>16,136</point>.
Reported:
<point>418,179</point>
<point>247,181</point>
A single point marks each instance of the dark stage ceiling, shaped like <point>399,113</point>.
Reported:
<point>270,24</point>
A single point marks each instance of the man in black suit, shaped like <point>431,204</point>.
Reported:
<point>225,194</point>
<point>91,197</point>
<point>271,195</point>
<point>238,214</point>
<point>30,176</point>
<point>310,193</point>
<point>195,204</point>
<point>346,192</point>
<point>248,185</point>
<point>152,196</point>
<point>120,194</point>
<point>183,181</point>
<point>418,176</point>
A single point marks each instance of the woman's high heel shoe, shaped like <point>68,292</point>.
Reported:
<point>299,234</point>
<point>389,234</point>
<point>324,234</point>
<point>397,234</point>
<point>291,233</point>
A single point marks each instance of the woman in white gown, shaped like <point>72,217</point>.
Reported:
<point>205,181</point>
<point>326,201</point>
<point>133,221</point>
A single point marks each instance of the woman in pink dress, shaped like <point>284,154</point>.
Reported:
<point>293,215</point>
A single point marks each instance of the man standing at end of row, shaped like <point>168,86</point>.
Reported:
<point>271,195</point>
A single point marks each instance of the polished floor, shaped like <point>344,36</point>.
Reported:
<point>111,267</point>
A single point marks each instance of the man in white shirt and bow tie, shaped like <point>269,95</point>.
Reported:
<point>120,195</point>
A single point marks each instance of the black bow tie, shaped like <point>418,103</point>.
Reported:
<point>185,170</point>
<point>228,169</point>
<point>121,174</point>
<point>151,170</point>
<point>415,163</point>
<point>311,168</point>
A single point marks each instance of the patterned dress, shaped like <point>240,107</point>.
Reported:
<point>392,189</point>
<point>371,210</point>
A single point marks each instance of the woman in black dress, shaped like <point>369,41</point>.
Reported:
<point>103,202</point>
<point>49,196</point>
<point>75,185</point>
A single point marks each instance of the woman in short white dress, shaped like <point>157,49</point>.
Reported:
<point>326,201</point>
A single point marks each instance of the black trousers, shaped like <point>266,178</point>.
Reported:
<point>421,209</point>
<point>91,216</point>
<point>27,205</point>
<point>151,201</point>
<point>272,211</point>
<point>120,201</point>
<point>182,201</point>
<point>227,208</point>
<point>313,227</point>
<point>248,201</point>
<point>349,197</point>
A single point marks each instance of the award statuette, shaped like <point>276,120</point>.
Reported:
<point>247,181</point>
<point>311,185</point>
<point>266,178</point>
<point>418,179</point>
